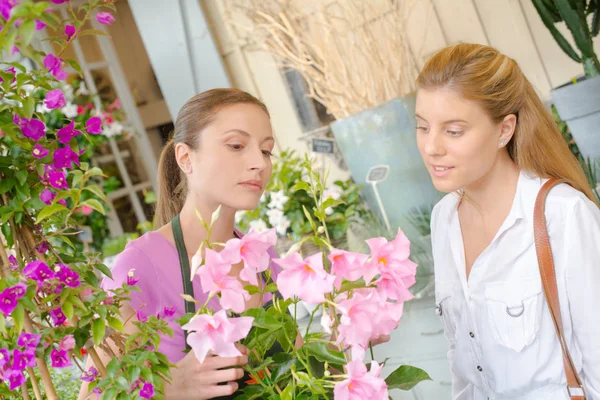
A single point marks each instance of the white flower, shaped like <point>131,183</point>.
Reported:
<point>113,129</point>
<point>83,89</point>
<point>41,108</point>
<point>239,216</point>
<point>282,226</point>
<point>70,110</point>
<point>258,225</point>
<point>274,215</point>
<point>28,89</point>
<point>329,211</point>
<point>68,92</point>
<point>278,199</point>
<point>332,193</point>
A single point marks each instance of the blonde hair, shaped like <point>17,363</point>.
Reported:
<point>495,81</point>
<point>195,115</point>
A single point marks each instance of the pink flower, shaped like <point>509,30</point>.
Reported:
<point>395,286</point>
<point>60,1</point>
<point>105,18</point>
<point>390,257</point>
<point>147,391</point>
<point>14,264</point>
<point>69,31</point>
<point>12,71</point>
<point>10,296</point>
<point>58,317</point>
<point>23,359</point>
<point>306,279</point>
<point>361,384</point>
<point>131,281</point>
<point>94,126</point>
<point>65,158</point>
<point>15,379</point>
<point>38,271</point>
<point>56,178</point>
<point>67,343</point>
<point>32,128</point>
<point>29,340</point>
<point>89,375</point>
<point>66,133</point>
<point>54,66</point>
<point>39,151</point>
<point>346,265</point>
<point>216,333</point>
<point>253,250</point>
<point>60,358</point>
<point>215,278</point>
<point>47,196</point>
<point>67,276</point>
<point>168,312</point>
<point>141,316</point>
<point>42,248</point>
<point>55,99</point>
<point>39,25</point>
<point>6,6</point>
<point>358,317</point>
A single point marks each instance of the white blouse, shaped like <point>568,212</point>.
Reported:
<point>503,344</point>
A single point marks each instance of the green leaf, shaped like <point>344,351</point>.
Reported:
<point>6,185</point>
<point>49,211</point>
<point>29,106</point>
<point>271,288</point>
<point>284,365</point>
<point>22,176</point>
<point>110,393</point>
<point>75,66</point>
<point>18,316</point>
<point>104,269</point>
<point>251,289</point>
<point>301,186</point>
<point>67,308</point>
<point>94,204</point>
<point>97,191</point>
<point>26,32</point>
<point>98,330</point>
<point>322,353</point>
<point>95,172</point>
<point>262,319</point>
<point>406,377</point>
<point>287,393</point>
<point>93,32</point>
<point>116,324</point>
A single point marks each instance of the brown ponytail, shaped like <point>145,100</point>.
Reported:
<point>495,81</point>
<point>195,115</point>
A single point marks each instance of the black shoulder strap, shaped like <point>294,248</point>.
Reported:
<point>184,264</point>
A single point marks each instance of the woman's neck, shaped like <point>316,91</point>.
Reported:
<point>193,230</point>
<point>495,188</point>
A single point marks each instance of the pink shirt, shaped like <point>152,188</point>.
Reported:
<point>156,265</point>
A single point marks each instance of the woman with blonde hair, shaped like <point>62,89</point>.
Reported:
<point>487,140</point>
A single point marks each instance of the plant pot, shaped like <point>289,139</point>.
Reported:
<point>387,135</point>
<point>579,106</point>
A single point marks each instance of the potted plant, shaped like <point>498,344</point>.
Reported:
<point>577,102</point>
<point>284,206</point>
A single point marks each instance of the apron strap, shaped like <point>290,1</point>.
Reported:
<point>184,264</point>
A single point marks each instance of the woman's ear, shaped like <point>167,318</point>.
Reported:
<point>507,129</point>
<point>183,157</point>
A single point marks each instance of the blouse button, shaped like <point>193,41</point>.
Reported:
<point>479,368</point>
<point>471,334</point>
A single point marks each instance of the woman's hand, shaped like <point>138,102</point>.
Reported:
<point>192,380</point>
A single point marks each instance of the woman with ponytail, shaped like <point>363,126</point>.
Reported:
<point>220,155</point>
<point>487,140</point>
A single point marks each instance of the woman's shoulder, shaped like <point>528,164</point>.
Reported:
<point>140,257</point>
<point>445,207</point>
<point>564,200</point>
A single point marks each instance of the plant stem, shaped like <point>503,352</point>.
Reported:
<point>25,391</point>
<point>34,384</point>
<point>42,367</point>
<point>312,315</point>
<point>97,361</point>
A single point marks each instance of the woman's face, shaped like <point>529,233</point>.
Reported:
<point>457,139</point>
<point>232,164</point>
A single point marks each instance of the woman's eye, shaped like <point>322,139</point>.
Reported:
<point>267,153</point>
<point>236,146</point>
<point>455,133</point>
<point>421,128</point>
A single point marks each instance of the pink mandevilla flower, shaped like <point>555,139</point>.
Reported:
<point>216,333</point>
<point>306,279</point>
<point>361,384</point>
<point>252,249</point>
<point>215,279</point>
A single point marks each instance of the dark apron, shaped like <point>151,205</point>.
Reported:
<point>188,289</point>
